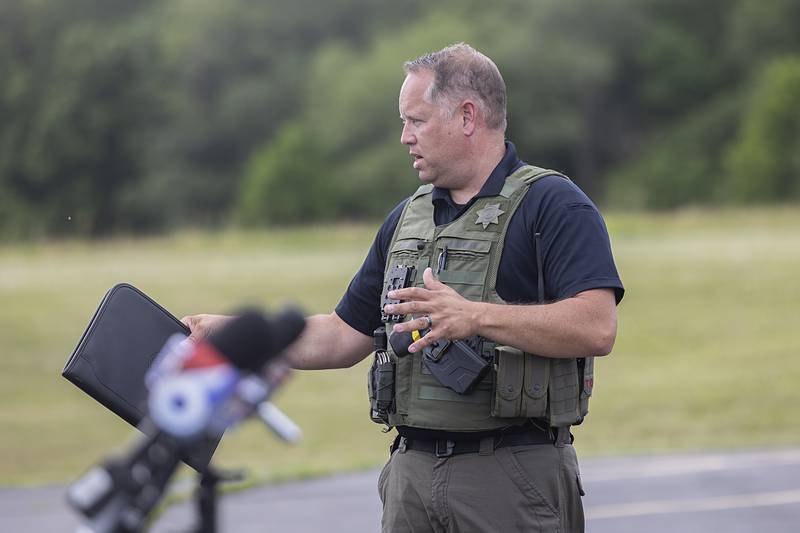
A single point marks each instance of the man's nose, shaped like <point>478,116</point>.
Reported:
<point>406,137</point>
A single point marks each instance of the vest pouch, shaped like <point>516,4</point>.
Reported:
<point>404,368</point>
<point>509,364</point>
<point>380,385</point>
<point>564,389</point>
<point>408,252</point>
<point>536,379</point>
<point>588,384</point>
<point>371,386</point>
<point>463,264</point>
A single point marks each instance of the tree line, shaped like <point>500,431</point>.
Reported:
<point>135,117</point>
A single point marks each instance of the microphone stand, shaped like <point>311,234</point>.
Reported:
<point>207,497</point>
<point>119,495</point>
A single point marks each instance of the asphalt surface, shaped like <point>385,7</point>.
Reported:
<point>710,492</point>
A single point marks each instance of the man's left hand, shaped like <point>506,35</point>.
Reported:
<point>451,315</point>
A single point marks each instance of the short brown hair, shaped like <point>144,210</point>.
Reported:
<point>461,71</point>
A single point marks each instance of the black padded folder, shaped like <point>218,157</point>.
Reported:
<point>120,343</point>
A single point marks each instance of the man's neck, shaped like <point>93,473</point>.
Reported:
<point>482,162</point>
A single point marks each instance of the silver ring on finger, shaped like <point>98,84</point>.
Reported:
<point>430,321</point>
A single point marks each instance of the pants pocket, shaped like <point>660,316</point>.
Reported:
<point>383,477</point>
<point>571,506</point>
<point>535,471</point>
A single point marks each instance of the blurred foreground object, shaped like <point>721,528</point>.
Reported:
<point>197,390</point>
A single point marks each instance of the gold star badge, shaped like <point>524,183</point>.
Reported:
<point>489,215</point>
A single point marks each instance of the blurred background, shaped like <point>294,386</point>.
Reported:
<point>219,153</point>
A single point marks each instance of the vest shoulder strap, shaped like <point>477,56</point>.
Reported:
<point>422,214</point>
<point>525,176</point>
<point>421,191</point>
<point>517,184</point>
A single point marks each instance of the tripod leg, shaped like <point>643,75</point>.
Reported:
<point>207,501</point>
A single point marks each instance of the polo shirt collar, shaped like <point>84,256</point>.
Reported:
<point>494,184</point>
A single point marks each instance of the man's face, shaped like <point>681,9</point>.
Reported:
<point>431,132</point>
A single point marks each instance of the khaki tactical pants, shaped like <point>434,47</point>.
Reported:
<point>531,488</point>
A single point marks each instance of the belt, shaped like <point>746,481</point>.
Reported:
<point>446,447</point>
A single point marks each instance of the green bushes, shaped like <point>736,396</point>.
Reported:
<point>742,148</point>
<point>683,165</point>
<point>763,164</point>
<point>200,113</point>
<point>286,183</point>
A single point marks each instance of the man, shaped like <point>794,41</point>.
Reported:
<point>523,270</point>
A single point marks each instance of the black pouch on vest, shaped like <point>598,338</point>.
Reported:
<point>381,391</point>
<point>113,355</point>
<point>455,365</point>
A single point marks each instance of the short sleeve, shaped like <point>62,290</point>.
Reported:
<point>360,305</point>
<point>574,244</point>
<point>576,248</point>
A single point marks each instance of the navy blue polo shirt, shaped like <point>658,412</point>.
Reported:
<point>576,251</point>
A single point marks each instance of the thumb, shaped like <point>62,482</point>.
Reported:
<point>430,280</point>
<point>188,321</point>
<point>191,323</point>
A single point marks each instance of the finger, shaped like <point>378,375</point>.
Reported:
<point>424,342</point>
<point>406,308</point>
<point>418,324</point>
<point>193,323</point>
<point>410,293</point>
<point>430,280</point>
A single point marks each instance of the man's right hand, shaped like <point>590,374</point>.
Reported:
<point>202,326</point>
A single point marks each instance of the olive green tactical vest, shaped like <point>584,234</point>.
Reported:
<point>520,386</point>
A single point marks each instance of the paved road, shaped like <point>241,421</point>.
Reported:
<point>710,492</point>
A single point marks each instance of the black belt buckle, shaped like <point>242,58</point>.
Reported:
<point>444,448</point>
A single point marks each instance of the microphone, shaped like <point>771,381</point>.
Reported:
<point>250,340</point>
<point>203,387</point>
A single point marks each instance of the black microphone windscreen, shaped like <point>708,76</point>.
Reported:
<point>250,340</point>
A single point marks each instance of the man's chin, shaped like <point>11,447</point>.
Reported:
<point>426,178</point>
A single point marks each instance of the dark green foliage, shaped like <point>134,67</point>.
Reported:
<point>285,183</point>
<point>682,165</point>
<point>761,31</point>
<point>78,104</point>
<point>121,116</point>
<point>763,164</point>
<point>711,54</point>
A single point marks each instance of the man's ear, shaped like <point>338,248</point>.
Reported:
<point>469,117</point>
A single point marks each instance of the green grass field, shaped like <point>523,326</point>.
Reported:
<point>707,354</point>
